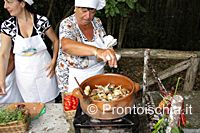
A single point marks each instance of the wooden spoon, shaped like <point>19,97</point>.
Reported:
<point>85,97</point>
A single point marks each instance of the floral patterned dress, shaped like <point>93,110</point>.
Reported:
<point>69,29</point>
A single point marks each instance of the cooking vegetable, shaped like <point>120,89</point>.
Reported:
<point>70,102</point>
<point>87,90</point>
<point>106,93</point>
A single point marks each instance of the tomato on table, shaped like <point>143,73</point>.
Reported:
<point>70,102</point>
<point>67,108</point>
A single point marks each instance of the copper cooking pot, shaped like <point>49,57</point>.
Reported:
<point>112,109</point>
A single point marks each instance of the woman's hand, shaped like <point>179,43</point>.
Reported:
<point>51,69</point>
<point>107,55</point>
<point>2,88</point>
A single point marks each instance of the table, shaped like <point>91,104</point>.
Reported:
<point>53,121</point>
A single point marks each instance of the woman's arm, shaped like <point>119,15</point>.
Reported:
<point>4,57</point>
<point>79,49</point>
<point>52,36</point>
<point>54,39</point>
<point>11,63</point>
<point>68,39</point>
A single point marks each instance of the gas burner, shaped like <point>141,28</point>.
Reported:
<point>103,121</point>
<point>95,120</point>
<point>82,120</point>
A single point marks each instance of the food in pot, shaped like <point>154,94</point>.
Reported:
<point>106,93</point>
<point>87,90</point>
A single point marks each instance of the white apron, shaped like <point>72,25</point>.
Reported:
<point>94,67</point>
<point>31,60</point>
<point>12,93</point>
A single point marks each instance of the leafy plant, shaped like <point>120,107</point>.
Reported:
<point>12,115</point>
<point>122,7</point>
<point>176,130</point>
<point>118,13</point>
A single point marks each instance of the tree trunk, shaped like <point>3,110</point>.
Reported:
<point>67,14</point>
<point>122,28</point>
<point>109,25</point>
<point>113,26</point>
<point>50,8</point>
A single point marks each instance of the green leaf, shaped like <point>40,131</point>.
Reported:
<point>175,130</point>
<point>117,10</point>
<point>142,9</point>
<point>177,84</point>
<point>130,4</point>
<point>162,131</point>
<point>121,0</point>
<point>112,13</point>
<point>158,124</point>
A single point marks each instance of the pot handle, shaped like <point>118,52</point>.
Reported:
<point>77,93</point>
<point>136,87</point>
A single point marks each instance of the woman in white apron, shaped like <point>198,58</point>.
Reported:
<point>12,94</point>
<point>82,46</point>
<point>34,67</point>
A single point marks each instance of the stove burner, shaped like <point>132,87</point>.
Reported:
<point>82,120</point>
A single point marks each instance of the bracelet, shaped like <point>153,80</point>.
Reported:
<point>95,52</point>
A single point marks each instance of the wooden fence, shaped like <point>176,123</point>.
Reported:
<point>191,62</point>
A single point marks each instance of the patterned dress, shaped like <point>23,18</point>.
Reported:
<point>69,29</point>
<point>8,27</point>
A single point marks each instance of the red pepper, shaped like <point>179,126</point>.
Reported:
<point>183,119</point>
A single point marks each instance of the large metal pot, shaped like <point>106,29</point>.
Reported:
<point>108,110</point>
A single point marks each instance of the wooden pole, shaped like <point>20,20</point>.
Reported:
<point>171,71</point>
<point>145,72</point>
<point>191,74</point>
